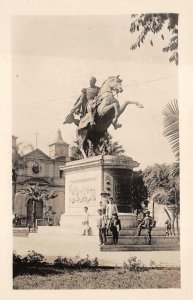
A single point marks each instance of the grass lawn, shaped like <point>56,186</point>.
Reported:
<point>117,278</point>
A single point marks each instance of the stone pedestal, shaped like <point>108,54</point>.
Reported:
<point>86,178</point>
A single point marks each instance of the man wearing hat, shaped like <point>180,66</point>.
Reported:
<point>103,202</point>
<point>147,223</point>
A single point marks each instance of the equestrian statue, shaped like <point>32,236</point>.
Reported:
<point>97,108</point>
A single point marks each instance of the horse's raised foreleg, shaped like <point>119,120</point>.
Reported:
<point>116,108</point>
<point>102,110</point>
<point>109,107</point>
<point>122,108</point>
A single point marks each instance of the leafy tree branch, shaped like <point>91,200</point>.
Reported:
<point>154,23</point>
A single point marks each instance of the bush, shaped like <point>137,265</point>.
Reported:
<point>16,258</point>
<point>134,264</point>
<point>32,258</point>
<point>77,263</point>
<point>153,264</point>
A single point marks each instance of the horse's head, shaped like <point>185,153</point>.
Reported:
<point>116,84</point>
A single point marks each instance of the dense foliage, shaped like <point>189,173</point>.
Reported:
<point>161,184</point>
<point>18,161</point>
<point>106,146</point>
<point>134,264</point>
<point>154,23</point>
<point>37,193</point>
<point>76,263</point>
<point>171,132</point>
<point>139,191</point>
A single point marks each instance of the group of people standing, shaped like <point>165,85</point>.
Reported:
<point>107,220</point>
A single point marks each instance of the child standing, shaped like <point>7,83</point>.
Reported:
<point>101,224</point>
<point>85,222</point>
<point>115,227</point>
<point>168,227</point>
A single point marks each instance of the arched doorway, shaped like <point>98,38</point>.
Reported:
<point>34,211</point>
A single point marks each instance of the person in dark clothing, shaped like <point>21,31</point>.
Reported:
<point>168,228</point>
<point>115,228</point>
<point>147,223</point>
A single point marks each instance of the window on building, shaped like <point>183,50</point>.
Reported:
<point>61,174</point>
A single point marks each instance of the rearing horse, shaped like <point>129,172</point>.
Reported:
<point>107,112</point>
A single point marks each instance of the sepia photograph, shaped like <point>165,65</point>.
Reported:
<point>95,151</point>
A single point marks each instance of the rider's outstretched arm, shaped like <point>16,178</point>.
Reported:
<point>79,101</point>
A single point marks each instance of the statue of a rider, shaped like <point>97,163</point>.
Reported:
<point>85,103</point>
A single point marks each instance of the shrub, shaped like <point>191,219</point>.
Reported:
<point>134,264</point>
<point>16,258</point>
<point>76,263</point>
<point>153,264</point>
<point>32,258</point>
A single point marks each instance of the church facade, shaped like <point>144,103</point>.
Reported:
<point>45,171</point>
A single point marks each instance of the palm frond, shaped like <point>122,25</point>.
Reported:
<point>171,112</point>
<point>176,169</point>
<point>171,126</point>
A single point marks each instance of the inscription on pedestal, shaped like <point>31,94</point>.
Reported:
<point>82,192</point>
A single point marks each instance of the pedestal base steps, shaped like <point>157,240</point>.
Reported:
<point>140,243</point>
<point>72,224</point>
<point>21,232</point>
<point>130,248</point>
<point>127,240</point>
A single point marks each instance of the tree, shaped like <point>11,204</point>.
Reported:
<point>109,147</point>
<point>37,193</point>
<point>18,162</point>
<point>24,148</point>
<point>106,146</point>
<point>163,188</point>
<point>139,190</point>
<point>171,131</point>
<point>154,23</point>
<point>74,152</point>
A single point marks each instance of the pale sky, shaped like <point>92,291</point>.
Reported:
<point>53,59</point>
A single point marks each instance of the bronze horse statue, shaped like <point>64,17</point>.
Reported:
<point>107,111</point>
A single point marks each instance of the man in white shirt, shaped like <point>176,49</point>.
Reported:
<point>101,224</point>
<point>103,202</point>
<point>85,222</point>
<point>110,210</point>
